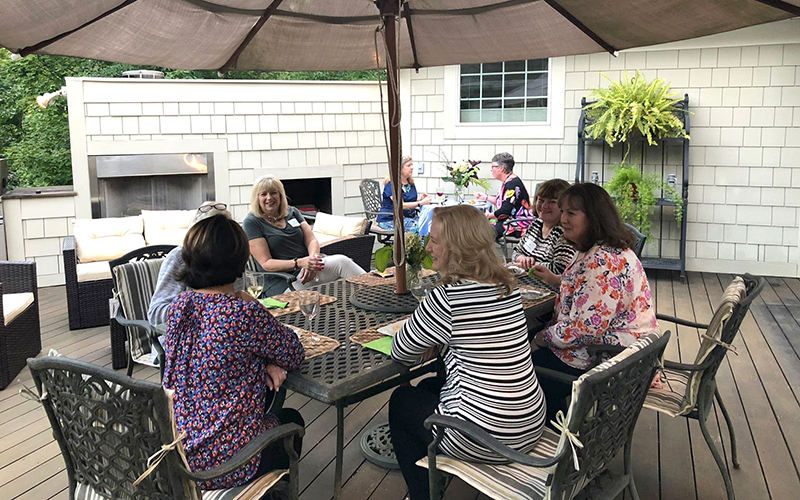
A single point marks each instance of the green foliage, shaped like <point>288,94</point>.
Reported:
<point>634,105</point>
<point>416,255</point>
<point>36,141</point>
<point>634,194</point>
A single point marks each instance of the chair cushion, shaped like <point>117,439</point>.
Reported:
<point>107,239</point>
<point>136,282</point>
<point>93,271</point>
<point>339,225</point>
<point>166,227</point>
<point>506,481</point>
<point>668,395</point>
<point>323,238</point>
<point>14,304</point>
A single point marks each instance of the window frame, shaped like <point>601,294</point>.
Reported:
<point>552,128</point>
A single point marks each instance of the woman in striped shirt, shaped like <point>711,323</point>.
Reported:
<point>475,320</point>
<point>543,242</point>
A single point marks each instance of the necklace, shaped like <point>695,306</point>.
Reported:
<point>272,220</point>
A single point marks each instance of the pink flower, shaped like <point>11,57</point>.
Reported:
<point>596,320</point>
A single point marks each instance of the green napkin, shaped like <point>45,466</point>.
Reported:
<point>271,303</point>
<point>383,344</point>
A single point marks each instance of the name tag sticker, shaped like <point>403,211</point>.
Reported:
<point>294,222</point>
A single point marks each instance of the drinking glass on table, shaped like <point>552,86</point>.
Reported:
<point>255,283</point>
<point>440,192</point>
<point>309,304</point>
<point>419,288</point>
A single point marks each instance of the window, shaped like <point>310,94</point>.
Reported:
<point>511,91</point>
<point>506,100</point>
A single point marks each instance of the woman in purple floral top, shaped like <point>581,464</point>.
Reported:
<point>604,298</point>
<point>224,354</point>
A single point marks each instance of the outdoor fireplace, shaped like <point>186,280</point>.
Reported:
<point>124,185</point>
<point>309,195</point>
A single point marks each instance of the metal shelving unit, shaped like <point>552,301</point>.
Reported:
<point>581,173</point>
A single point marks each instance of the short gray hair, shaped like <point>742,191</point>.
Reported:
<point>506,160</point>
<point>201,215</point>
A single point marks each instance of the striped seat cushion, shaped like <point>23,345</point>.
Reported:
<point>668,395</point>
<point>253,490</point>
<point>136,282</point>
<point>507,481</point>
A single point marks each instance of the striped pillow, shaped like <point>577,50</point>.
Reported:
<point>136,282</point>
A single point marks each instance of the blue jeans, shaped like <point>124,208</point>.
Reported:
<point>409,224</point>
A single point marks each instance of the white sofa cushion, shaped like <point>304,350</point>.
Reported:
<point>339,225</point>
<point>106,239</point>
<point>93,271</point>
<point>14,304</point>
<point>323,238</point>
<point>166,227</point>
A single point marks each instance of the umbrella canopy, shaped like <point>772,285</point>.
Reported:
<point>297,35</point>
<point>340,34</point>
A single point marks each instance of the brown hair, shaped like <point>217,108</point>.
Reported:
<point>603,223</point>
<point>551,190</point>
<point>215,252</point>
<point>468,241</point>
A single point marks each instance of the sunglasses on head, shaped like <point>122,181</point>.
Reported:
<point>208,208</point>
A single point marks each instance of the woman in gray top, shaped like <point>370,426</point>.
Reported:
<point>281,240</point>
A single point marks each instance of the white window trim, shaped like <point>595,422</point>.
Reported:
<point>553,128</point>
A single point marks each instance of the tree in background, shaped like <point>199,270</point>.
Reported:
<point>35,141</point>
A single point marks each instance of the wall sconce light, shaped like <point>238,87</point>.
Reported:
<point>44,99</point>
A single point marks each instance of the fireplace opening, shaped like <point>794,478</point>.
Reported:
<point>309,195</point>
<point>124,185</point>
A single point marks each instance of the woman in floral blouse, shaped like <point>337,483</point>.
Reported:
<point>604,298</point>
<point>224,354</point>
<point>512,199</point>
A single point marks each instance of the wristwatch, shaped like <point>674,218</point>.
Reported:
<point>295,264</point>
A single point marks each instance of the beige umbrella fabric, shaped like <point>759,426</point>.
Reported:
<point>340,34</point>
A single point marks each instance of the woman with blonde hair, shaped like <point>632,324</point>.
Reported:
<point>411,200</point>
<point>476,314</point>
<point>281,240</point>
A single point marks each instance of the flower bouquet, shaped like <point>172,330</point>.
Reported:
<point>461,174</point>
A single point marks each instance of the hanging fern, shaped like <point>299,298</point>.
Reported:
<point>633,104</point>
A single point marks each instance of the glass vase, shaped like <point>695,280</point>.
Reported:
<point>412,274</point>
<point>459,194</point>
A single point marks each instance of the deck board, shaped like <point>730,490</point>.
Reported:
<point>760,386</point>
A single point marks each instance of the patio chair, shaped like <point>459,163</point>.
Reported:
<point>20,336</point>
<point>87,301</point>
<point>640,240</point>
<point>689,390</point>
<point>606,402</point>
<point>506,241</point>
<point>371,197</point>
<point>107,425</point>
<point>349,236</point>
<point>133,288</point>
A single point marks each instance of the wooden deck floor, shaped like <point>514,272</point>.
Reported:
<point>760,385</point>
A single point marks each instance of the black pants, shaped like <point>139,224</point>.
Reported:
<point>555,392</point>
<point>409,406</point>
<point>274,456</point>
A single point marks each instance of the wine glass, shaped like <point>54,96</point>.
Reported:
<point>309,304</point>
<point>321,257</point>
<point>440,191</point>
<point>255,283</point>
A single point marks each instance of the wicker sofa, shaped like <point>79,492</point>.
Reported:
<point>20,337</point>
<point>98,241</point>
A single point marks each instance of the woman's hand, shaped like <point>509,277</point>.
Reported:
<point>479,195</point>
<point>539,339</point>
<point>546,275</point>
<point>306,276</point>
<point>275,377</point>
<point>525,262</point>
<point>310,263</point>
<point>424,200</point>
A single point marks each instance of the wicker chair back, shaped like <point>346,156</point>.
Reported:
<point>606,402</point>
<point>107,425</point>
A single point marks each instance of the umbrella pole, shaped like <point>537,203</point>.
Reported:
<point>389,11</point>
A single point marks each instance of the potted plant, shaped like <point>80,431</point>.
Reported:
<point>634,193</point>
<point>633,106</point>
<point>416,256</point>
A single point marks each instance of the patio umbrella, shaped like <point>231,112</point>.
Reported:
<point>350,34</point>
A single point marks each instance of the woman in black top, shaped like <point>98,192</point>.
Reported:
<point>512,200</point>
<point>281,240</point>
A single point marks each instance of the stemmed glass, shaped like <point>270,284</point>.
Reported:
<point>440,192</point>
<point>309,304</point>
<point>255,283</point>
<point>320,257</point>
